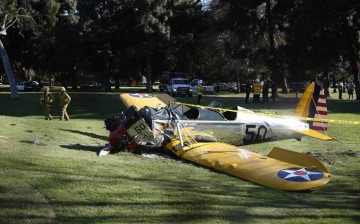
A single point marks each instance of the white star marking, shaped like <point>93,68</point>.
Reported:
<point>303,173</point>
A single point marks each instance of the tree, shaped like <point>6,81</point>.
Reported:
<point>22,16</point>
<point>10,15</point>
<point>238,27</point>
<point>321,34</point>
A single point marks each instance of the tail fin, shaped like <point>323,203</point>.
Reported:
<point>302,109</point>
<point>320,112</point>
<point>313,105</point>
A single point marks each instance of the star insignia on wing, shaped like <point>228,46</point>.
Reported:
<point>141,95</point>
<point>300,174</point>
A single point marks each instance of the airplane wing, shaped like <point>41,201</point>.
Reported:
<point>280,169</point>
<point>140,100</point>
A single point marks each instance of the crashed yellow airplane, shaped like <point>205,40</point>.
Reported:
<point>210,137</point>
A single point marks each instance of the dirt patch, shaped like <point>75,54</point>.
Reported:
<point>333,157</point>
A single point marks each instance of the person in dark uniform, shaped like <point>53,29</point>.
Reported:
<point>265,91</point>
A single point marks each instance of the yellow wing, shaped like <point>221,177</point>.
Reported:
<point>281,169</point>
<point>140,100</point>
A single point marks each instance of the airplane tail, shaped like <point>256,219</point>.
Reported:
<point>319,111</point>
<point>313,105</point>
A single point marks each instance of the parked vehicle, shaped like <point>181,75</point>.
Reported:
<point>37,86</point>
<point>179,86</point>
<point>231,87</point>
<point>175,83</point>
<point>28,86</point>
<point>92,86</point>
<point>23,86</point>
<point>298,86</point>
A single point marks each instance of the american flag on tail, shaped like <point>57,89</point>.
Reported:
<point>320,112</point>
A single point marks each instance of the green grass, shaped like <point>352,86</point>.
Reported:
<point>50,172</point>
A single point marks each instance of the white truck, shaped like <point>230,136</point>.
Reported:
<point>176,84</point>
<point>179,86</point>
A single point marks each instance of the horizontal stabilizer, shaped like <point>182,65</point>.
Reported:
<point>299,159</point>
<point>314,134</point>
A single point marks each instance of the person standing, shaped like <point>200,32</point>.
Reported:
<point>46,100</point>
<point>200,91</point>
<point>265,91</point>
<point>257,91</point>
<point>351,88</point>
<point>247,91</point>
<point>341,86</point>
<point>64,102</point>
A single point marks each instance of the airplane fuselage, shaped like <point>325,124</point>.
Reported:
<point>247,129</point>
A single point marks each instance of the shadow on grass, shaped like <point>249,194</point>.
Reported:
<point>191,200</point>
<point>89,134</point>
<point>196,203</point>
<point>81,147</point>
<point>84,147</point>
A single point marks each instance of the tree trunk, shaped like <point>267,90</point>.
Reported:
<point>355,71</point>
<point>326,83</point>
<point>285,86</point>
<point>353,52</point>
<point>273,65</point>
<point>106,77</point>
<point>270,26</point>
<point>148,73</point>
<point>9,72</point>
<point>238,80</point>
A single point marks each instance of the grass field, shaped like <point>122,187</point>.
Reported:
<point>50,172</point>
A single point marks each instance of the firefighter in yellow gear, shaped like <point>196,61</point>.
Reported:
<point>257,91</point>
<point>64,102</point>
<point>46,100</point>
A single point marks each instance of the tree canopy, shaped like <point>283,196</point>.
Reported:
<point>73,41</point>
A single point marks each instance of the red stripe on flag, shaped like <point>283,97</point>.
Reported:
<point>321,104</point>
<point>320,112</point>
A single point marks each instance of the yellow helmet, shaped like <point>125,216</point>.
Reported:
<point>62,89</point>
